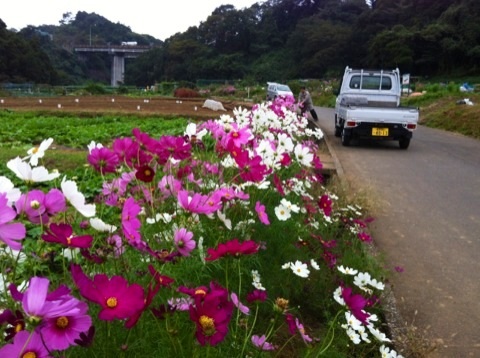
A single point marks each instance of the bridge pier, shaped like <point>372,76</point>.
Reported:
<point>118,70</point>
<point>119,54</point>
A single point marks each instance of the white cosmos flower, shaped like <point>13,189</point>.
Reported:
<point>389,353</point>
<point>303,155</point>
<point>352,321</point>
<point>7,187</point>
<point>292,207</point>
<point>314,264</point>
<point>354,337</point>
<point>362,279</point>
<point>380,336</point>
<point>191,130</point>
<point>24,171</point>
<point>77,199</point>
<point>93,145</point>
<point>282,213</point>
<point>300,269</point>
<point>337,296</point>
<point>347,270</point>
<point>99,225</point>
<point>38,152</point>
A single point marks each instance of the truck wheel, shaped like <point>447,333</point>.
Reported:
<point>338,129</point>
<point>404,143</point>
<point>345,138</point>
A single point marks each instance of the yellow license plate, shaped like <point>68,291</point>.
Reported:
<point>381,132</point>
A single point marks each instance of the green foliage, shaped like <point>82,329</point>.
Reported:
<point>95,88</point>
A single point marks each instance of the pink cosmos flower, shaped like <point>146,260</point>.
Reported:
<point>130,223</point>
<point>261,342</point>
<point>25,344</point>
<point>38,303</point>
<point>103,160</point>
<point>39,207</point>
<point>306,338</point>
<point>241,307</point>
<point>197,203</point>
<point>63,234</point>
<point>169,186</point>
<point>184,242</point>
<point>262,215</point>
<point>10,233</point>
<point>117,299</point>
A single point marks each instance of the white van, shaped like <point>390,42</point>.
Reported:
<point>276,89</point>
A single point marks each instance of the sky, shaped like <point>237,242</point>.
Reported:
<point>160,19</point>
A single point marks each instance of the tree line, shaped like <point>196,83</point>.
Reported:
<point>271,40</point>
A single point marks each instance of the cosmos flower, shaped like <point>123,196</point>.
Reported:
<point>25,172</point>
<point>261,343</point>
<point>241,307</point>
<point>63,234</point>
<point>232,248</point>
<point>130,223</point>
<point>325,203</point>
<point>262,215</point>
<point>25,344</point>
<point>10,233</point>
<point>184,242</point>
<point>38,152</point>
<point>103,160</point>
<point>76,198</point>
<point>7,187</point>
<point>61,332</point>
<point>117,299</point>
<point>211,313</point>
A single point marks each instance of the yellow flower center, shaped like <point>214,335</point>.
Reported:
<point>62,322</point>
<point>208,325</point>
<point>34,204</point>
<point>18,327</point>
<point>35,150</point>
<point>69,240</point>
<point>200,292</point>
<point>29,355</point>
<point>147,172</point>
<point>112,302</point>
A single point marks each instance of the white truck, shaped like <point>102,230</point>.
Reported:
<point>368,106</point>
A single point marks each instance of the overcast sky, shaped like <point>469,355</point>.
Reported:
<point>160,19</point>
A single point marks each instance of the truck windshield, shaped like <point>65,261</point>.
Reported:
<point>370,82</point>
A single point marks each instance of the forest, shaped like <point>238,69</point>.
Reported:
<point>271,40</point>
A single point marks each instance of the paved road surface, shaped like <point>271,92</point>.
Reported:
<point>428,223</point>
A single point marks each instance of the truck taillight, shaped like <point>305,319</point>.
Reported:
<point>411,126</point>
<point>350,124</point>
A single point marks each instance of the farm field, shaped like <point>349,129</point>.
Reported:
<point>148,105</point>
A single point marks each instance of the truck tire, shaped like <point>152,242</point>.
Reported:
<point>404,143</point>
<point>338,129</point>
<point>345,138</point>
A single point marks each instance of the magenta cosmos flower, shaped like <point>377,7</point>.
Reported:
<point>212,313</point>
<point>63,234</point>
<point>117,298</point>
<point>184,242</point>
<point>103,160</point>
<point>356,303</point>
<point>10,233</point>
<point>232,248</point>
<point>25,345</point>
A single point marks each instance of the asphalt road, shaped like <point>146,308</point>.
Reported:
<point>427,221</point>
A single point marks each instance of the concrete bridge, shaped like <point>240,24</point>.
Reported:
<point>118,53</point>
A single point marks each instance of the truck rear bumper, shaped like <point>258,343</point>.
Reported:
<point>380,131</point>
